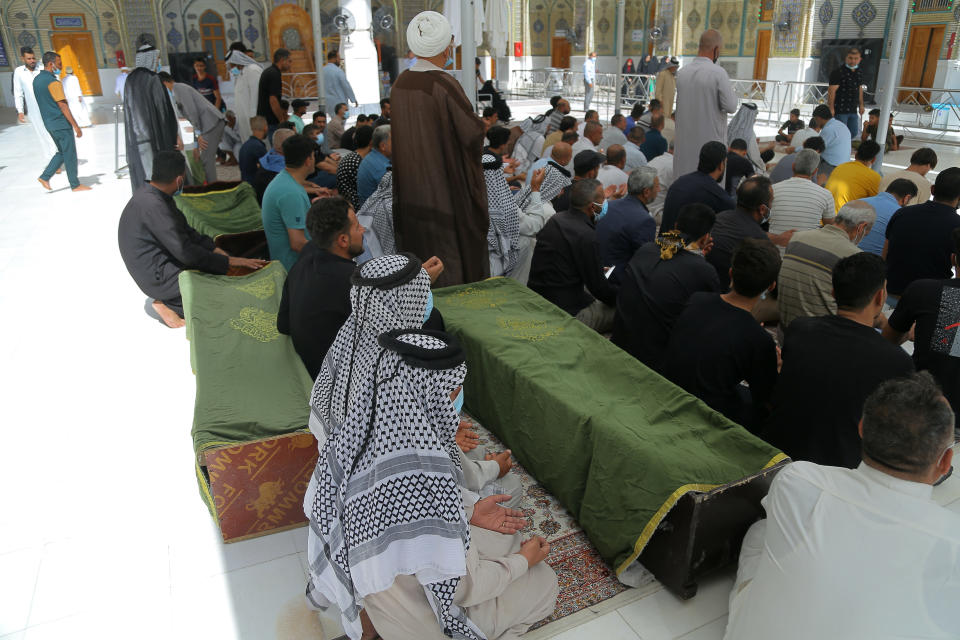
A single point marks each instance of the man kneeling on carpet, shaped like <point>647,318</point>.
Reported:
<point>386,293</point>
<point>868,551</point>
<point>156,243</point>
<point>438,562</point>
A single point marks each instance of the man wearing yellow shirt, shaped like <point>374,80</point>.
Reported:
<point>857,179</point>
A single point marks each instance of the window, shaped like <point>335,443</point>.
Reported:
<point>211,33</point>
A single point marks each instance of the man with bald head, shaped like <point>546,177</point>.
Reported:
<point>589,141</point>
<point>704,98</point>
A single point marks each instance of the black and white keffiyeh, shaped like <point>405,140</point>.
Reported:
<point>379,206</point>
<point>742,126</point>
<point>388,499</point>
<point>389,292</point>
<point>555,180</point>
<point>503,234</point>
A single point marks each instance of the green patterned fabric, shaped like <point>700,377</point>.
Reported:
<point>615,442</point>
<point>251,384</point>
<point>232,210</point>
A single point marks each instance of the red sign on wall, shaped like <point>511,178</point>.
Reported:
<point>121,61</point>
<point>518,49</point>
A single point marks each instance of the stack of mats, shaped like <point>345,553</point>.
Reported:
<point>617,444</point>
<point>254,454</point>
<point>221,208</point>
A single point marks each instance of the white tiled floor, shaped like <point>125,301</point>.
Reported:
<point>102,531</point>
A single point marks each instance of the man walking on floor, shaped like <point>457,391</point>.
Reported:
<point>58,120</point>
<point>26,103</point>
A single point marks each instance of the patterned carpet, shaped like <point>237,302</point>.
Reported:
<point>585,579</point>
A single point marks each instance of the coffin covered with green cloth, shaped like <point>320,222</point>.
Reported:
<point>254,455</point>
<point>221,208</point>
<point>615,442</point>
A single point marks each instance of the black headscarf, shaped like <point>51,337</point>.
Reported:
<point>148,116</point>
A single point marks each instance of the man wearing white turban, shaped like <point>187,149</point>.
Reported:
<point>440,197</point>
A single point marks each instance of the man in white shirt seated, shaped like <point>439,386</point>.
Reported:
<point>635,157</point>
<point>612,173</point>
<point>614,134</point>
<point>664,166</point>
<point>859,553</point>
<point>589,141</point>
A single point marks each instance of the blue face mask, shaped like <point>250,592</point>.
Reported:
<point>180,190</point>
<point>597,217</point>
<point>853,68</point>
<point>170,93</point>
<point>458,402</point>
<point>426,314</point>
<point>235,71</point>
<point>320,140</point>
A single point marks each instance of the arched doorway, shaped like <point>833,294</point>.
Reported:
<point>211,34</point>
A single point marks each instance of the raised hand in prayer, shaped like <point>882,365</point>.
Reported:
<point>488,514</point>
<point>503,459</point>
<point>609,192</point>
<point>536,180</point>
<point>535,550</point>
<point>434,268</point>
<point>467,439</point>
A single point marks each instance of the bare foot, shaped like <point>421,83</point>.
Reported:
<point>168,315</point>
<point>82,187</point>
<point>46,185</point>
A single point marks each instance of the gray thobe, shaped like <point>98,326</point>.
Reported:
<point>500,594</point>
<point>336,89</point>
<point>207,121</point>
<point>704,98</point>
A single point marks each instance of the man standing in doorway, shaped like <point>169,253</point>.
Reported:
<point>589,79</point>
<point>704,98</point>
<point>26,102</point>
<point>440,195</point>
<point>336,88</point>
<point>53,108</point>
<point>845,93</point>
<point>271,86</point>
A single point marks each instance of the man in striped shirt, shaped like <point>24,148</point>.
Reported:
<point>805,284</point>
<point>799,203</point>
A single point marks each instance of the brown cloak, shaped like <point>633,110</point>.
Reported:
<point>439,194</point>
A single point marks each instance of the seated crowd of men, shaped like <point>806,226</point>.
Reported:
<point>763,293</point>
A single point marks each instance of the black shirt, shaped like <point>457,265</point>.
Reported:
<point>728,231</point>
<point>565,260</point>
<point>250,153</point>
<point>691,188</point>
<point>793,127</point>
<point>713,346</point>
<point>935,306</point>
<point>346,140</point>
<point>156,244</point>
<point>830,365</point>
<point>920,244</point>
<point>738,168</point>
<point>847,98</point>
<point>271,84</point>
<point>653,293</point>
<point>315,303</point>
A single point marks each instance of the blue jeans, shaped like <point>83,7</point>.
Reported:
<point>66,155</point>
<point>852,122</point>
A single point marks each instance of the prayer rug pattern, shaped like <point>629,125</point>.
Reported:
<point>585,579</point>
